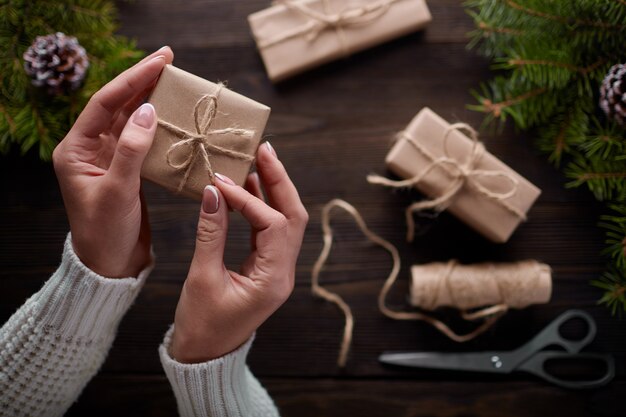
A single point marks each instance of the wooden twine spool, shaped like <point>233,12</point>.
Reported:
<point>495,287</point>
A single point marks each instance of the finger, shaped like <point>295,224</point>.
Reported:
<point>164,50</point>
<point>208,257</point>
<point>99,112</point>
<point>122,115</point>
<point>281,192</point>
<point>257,213</point>
<point>270,227</point>
<point>142,252</point>
<point>145,235</point>
<point>253,185</point>
<point>134,144</point>
<point>129,108</point>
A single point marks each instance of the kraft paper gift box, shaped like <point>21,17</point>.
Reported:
<point>203,128</point>
<point>491,197</point>
<point>295,35</point>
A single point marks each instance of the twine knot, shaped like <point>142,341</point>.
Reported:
<point>321,21</point>
<point>204,112</point>
<point>462,173</point>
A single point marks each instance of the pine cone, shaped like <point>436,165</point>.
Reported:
<point>613,94</point>
<point>56,62</point>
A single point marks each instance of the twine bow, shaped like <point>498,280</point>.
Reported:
<point>462,173</point>
<point>199,141</point>
<point>320,21</point>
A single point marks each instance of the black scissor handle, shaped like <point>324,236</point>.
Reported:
<point>536,365</point>
<point>551,335</point>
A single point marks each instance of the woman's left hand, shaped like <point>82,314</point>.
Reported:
<point>98,166</point>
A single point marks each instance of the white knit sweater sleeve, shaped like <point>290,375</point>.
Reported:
<point>223,387</point>
<point>56,342</point>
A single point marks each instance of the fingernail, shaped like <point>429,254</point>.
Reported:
<point>158,57</point>
<point>162,48</point>
<point>270,148</point>
<point>210,199</point>
<point>224,178</point>
<point>144,116</point>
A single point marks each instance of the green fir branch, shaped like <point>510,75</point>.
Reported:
<point>550,58</point>
<point>615,226</point>
<point>613,283</point>
<point>31,120</point>
<point>604,179</point>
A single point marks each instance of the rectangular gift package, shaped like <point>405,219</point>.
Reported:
<point>203,128</point>
<point>494,218</point>
<point>295,35</point>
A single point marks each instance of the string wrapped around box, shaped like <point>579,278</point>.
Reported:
<point>203,128</point>
<point>295,35</point>
<point>493,287</point>
<point>458,174</point>
<point>200,141</point>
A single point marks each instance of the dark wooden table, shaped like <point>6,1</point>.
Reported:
<point>331,127</point>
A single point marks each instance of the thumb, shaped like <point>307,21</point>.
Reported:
<point>134,143</point>
<point>211,234</point>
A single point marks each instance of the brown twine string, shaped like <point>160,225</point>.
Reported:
<point>490,313</point>
<point>199,141</point>
<point>462,173</point>
<point>319,22</point>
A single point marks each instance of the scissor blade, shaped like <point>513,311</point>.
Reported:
<point>476,362</point>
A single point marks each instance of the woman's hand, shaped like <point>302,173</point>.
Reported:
<point>219,309</point>
<point>98,166</point>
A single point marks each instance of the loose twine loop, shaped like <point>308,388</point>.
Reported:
<point>462,173</point>
<point>491,314</point>
<point>199,142</point>
<point>319,22</point>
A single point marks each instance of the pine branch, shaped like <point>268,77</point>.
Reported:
<point>551,57</point>
<point>581,70</point>
<point>485,27</point>
<point>31,120</point>
<point>608,142</point>
<point>562,19</point>
<point>605,179</point>
<point>504,98</point>
<point>613,282</point>
<point>615,225</point>
<point>497,108</point>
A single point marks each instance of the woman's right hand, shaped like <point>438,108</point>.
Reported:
<point>220,309</point>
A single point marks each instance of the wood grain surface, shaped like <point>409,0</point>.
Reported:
<point>331,127</point>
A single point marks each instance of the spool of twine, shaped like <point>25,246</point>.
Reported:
<point>495,287</point>
<point>449,284</point>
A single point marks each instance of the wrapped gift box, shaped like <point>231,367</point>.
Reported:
<point>296,35</point>
<point>493,199</point>
<point>203,128</point>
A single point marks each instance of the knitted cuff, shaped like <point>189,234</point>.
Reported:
<point>219,387</point>
<point>77,302</point>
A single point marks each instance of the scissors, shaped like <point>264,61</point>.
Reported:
<point>528,358</point>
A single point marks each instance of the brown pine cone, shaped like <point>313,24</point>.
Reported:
<point>56,62</point>
<point>613,94</point>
